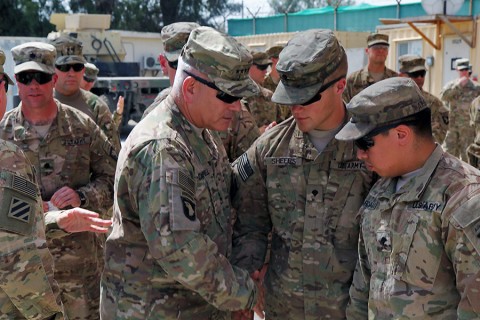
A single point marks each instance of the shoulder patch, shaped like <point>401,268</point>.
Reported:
<point>182,200</point>
<point>244,167</point>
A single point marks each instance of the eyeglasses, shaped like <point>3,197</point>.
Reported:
<point>5,83</point>
<point>262,67</point>
<point>223,96</point>
<point>379,47</point>
<point>318,95</point>
<point>66,67</point>
<point>88,79</point>
<point>416,74</point>
<point>366,142</point>
<point>173,64</point>
<point>27,77</point>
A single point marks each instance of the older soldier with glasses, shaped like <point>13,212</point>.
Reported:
<point>419,246</point>
<point>167,255</point>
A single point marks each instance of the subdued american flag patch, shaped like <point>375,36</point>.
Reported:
<point>24,186</point>
<point>19,209</point>
<point>244,167</point>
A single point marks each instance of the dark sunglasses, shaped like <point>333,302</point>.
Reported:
<point>223,96</point>
<point>88,79</point>
<point>173,64</point>
<point>66,67</point>
<point>262,66</point>
<point>5,83</point>
<point>366,142</point>
<point>318,95</point>
<point>416,74</point>
<point>27,77</point>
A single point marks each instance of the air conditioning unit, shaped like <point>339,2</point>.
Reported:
<point>151,63</point>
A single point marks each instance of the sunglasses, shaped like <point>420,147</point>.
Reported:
<point>66,67</point>
<point>173,64</point>
<point>27,77</point>
<point>262,67</point>
<point>366,142</point>
<point>88,80</point>
<point>5,83</point>
<point>223,96</point>
<point>416,74</point>
<point>318,95</point>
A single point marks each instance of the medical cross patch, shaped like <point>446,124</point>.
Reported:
<point>20,210</point>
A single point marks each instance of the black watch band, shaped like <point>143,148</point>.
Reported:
<point>83,198</point>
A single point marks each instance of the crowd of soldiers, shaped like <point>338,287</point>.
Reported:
<point>294,193</point>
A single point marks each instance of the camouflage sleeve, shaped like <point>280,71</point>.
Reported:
<point>462,246</point>
<point>174,239</point>
<point>103,160</point>
<point>447,93</point>
<point>26,274</point>
<point>244,132</point>
<point>357,308</point>
<point>253,223</point>
<point>105,122</point>
<point>117,120</point>
<point>347,93</point>
<point>439,120</point>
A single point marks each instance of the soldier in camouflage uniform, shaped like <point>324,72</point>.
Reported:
<point>272,78</point>
<point>300,182</point>
<point>419,250</point>
<point>74,164</point>
<point>458,95</point>
<point>243,130</point>
<point>263,110</point>
<point>166,257</point>
<point>89,77</point>
<point>374,71</point>
<point>413,66</point>
<point>70,69</point>
<point>174,36</point>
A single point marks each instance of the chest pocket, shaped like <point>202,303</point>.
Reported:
<point>417,248</point>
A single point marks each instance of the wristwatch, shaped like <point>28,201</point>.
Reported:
<point>83,198</point>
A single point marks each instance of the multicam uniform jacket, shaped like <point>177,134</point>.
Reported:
<point>27,288</point>
<point>74,153</point>
<point>419,247</point>
<point>263,110</point>
<point>269,83</point>
<point>439,116</point>
<point>97,110</point>
<point>361,79</point>
<point>166,257</point>
<point>309,201</point>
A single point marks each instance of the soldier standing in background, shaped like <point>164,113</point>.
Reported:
<point>70,68</point>
<point>75,166</point>
<point>374,71</point>
<point>413,66</point>
<point>166,257</point>
<point>263,110</point>
<point>458,95</point>
<point>303,185</point>
<point>419,246</point>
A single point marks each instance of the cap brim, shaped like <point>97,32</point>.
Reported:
<point>354,131</point>
<point>31,65</point>
<point>293,96</point>
<point>9,80</point>
<point>241,88</point>
<point>70,60</point>
<point>173,55</point>
<point>417,68</point>
<point>373,43</point>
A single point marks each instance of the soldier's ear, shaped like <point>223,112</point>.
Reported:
<point>189,89</point>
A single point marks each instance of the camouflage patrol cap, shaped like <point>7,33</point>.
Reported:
<point>91,71</point>
<point>462,64</point>
<point>274,52</point>
<point>174,37</point>
<point>385,102</point>
<point>223,59</point>
<point>37,56</point>
<point>260,58</point>
<point>411,63</point>
<point>307,60</point>
<point>69,50</point>
<point>2,70</point>
<point>377,38</point>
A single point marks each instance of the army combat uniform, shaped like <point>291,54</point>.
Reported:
<point>27,288</point>
<point>419,247</point>
<point>460,133</point>
<point>166,256</point>
<point>263,110</point>
<point>74,153</point>
<point>310,201</point>
<point>361,79</point>
<point>439,116</point>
